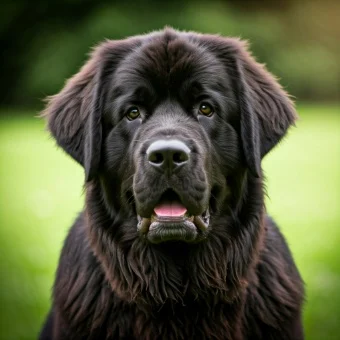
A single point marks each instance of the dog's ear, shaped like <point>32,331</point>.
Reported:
<point>74,114</point>
<point>266,112</point>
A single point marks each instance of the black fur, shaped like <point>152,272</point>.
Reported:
<point>235,280</point>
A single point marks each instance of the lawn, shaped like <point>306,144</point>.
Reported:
<point>41,193</point>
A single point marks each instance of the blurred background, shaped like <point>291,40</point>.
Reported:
<point>44,43</point>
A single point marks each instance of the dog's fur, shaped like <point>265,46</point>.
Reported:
<point>236,280</point>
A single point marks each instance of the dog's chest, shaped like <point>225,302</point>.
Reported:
<point>188,322</point>
<point>175,322</point>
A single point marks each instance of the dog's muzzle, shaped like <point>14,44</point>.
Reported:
<point>169,217</point>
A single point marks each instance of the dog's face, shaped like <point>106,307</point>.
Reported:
<point>170,112</point>
<point>171,124</point>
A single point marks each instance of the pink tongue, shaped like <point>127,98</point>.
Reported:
<point>170,208</point>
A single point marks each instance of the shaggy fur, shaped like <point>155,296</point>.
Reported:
<point>236,279</point>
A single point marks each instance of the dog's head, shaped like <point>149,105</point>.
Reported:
<point>170,124</point>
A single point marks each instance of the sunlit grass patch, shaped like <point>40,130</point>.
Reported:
<point>41,193</point>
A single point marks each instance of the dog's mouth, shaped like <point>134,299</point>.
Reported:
<point>171,221</point>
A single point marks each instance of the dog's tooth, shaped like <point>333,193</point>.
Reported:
<point>206,216</point>
<point>200,223</point>
<point>143,224</point>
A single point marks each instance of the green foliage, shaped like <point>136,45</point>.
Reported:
<point>41,194</point>
<point>297,41</point>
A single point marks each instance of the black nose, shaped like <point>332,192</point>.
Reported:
<point>168,155</point>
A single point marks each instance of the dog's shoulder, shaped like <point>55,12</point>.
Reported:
<point>275,291</point>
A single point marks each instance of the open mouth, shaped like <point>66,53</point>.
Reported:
<point>171,221</point>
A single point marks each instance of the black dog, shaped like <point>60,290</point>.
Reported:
<point>174,241</point>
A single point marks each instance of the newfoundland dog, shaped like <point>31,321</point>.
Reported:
<point>174,241</point>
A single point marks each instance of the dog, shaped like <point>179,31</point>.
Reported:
<point>174,241</point>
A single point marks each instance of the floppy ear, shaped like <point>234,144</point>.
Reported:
<point>266,112</point>
<point>74,114</point>
<point>265,108</point>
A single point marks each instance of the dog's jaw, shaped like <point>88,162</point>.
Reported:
<point>187,228</point>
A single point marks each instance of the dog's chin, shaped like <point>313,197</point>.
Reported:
<point>173,219</point>
<point>185,228</point>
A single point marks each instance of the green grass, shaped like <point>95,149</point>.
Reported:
<point>41,193</point>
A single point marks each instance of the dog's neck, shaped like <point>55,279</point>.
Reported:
<point>212,271</point>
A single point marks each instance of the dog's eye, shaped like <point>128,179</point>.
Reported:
<point>133,113</point>
<point>206,109</point>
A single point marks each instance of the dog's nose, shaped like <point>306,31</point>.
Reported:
<point>168,155</point>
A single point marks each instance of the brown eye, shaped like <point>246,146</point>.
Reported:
<point>133,113</point>
<point>206,109</point>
